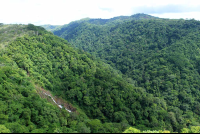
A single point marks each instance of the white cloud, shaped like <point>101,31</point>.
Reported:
<point>187,15</point>
<point>64,11</point>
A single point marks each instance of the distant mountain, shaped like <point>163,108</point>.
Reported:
<point>118,19</point>
<point>100,21</point>
<point>113,21</point>
<point>50,27</point>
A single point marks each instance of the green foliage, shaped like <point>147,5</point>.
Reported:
<point>159,55</point>
<point>149,131</point>
<point>132,130</point>
<point>82,128</point>
<point>37,29</point>
<point>159,89</point>
<point>192,129</point>
<point>9,33</point>
<point>46,60</point>
<point>195,129</point>
<point>185,130</point>
<point>3,129</point>
<point>95,125</point>
<point>50,27</point>
<point>94,86</point>
<point>22,110</point>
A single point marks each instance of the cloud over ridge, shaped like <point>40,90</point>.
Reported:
<point>59,12</point>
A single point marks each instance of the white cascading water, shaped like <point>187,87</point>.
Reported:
<point>57,104</point>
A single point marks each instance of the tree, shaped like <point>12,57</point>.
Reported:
<point>95,125</point>
<point>195,129</point>
<point>82,128</point>
<point>3,129</point>
<point>132,130</point>
<point>185,130</point>
<point>192,129</point>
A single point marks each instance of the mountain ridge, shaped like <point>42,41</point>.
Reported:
<point>99,21</point>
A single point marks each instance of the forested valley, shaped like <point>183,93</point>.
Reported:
<point>159,55</point>
<point>125,74</point>
<point>105,102</point>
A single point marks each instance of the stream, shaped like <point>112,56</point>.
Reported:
<point>57,103</point>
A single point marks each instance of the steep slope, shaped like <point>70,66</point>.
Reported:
<point>22,110</point>
<point>87,83</point>
<point>160,55</point>
<point>94,86</point>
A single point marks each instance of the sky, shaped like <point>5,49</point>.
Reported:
<point>60,12</point>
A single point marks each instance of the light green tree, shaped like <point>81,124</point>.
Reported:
<point>132,130</point>
<point>3,129</point>
<point>185,130</point>
<point>195,129</point>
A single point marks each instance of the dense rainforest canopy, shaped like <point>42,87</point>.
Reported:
<point>136,74</point>
<point>37,57</point>
<point>159,55</point>
<point>92,85</point>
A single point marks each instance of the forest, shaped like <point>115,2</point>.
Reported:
<point>40,58</point>
<point>159,55</point>
<point>127,74</point>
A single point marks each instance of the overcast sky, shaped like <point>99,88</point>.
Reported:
<point>59,12</point>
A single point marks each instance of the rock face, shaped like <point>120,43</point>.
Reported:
<point>55,100</point>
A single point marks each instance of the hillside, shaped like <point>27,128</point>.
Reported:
<point>159,55</point>
<point>11,32</point>
<point>105,102</point>
<point>22,109</point>
<point>50,27</point>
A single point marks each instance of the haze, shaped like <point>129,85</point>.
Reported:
<point>59,12</point>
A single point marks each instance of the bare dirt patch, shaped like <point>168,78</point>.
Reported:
<point>58,101</point>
